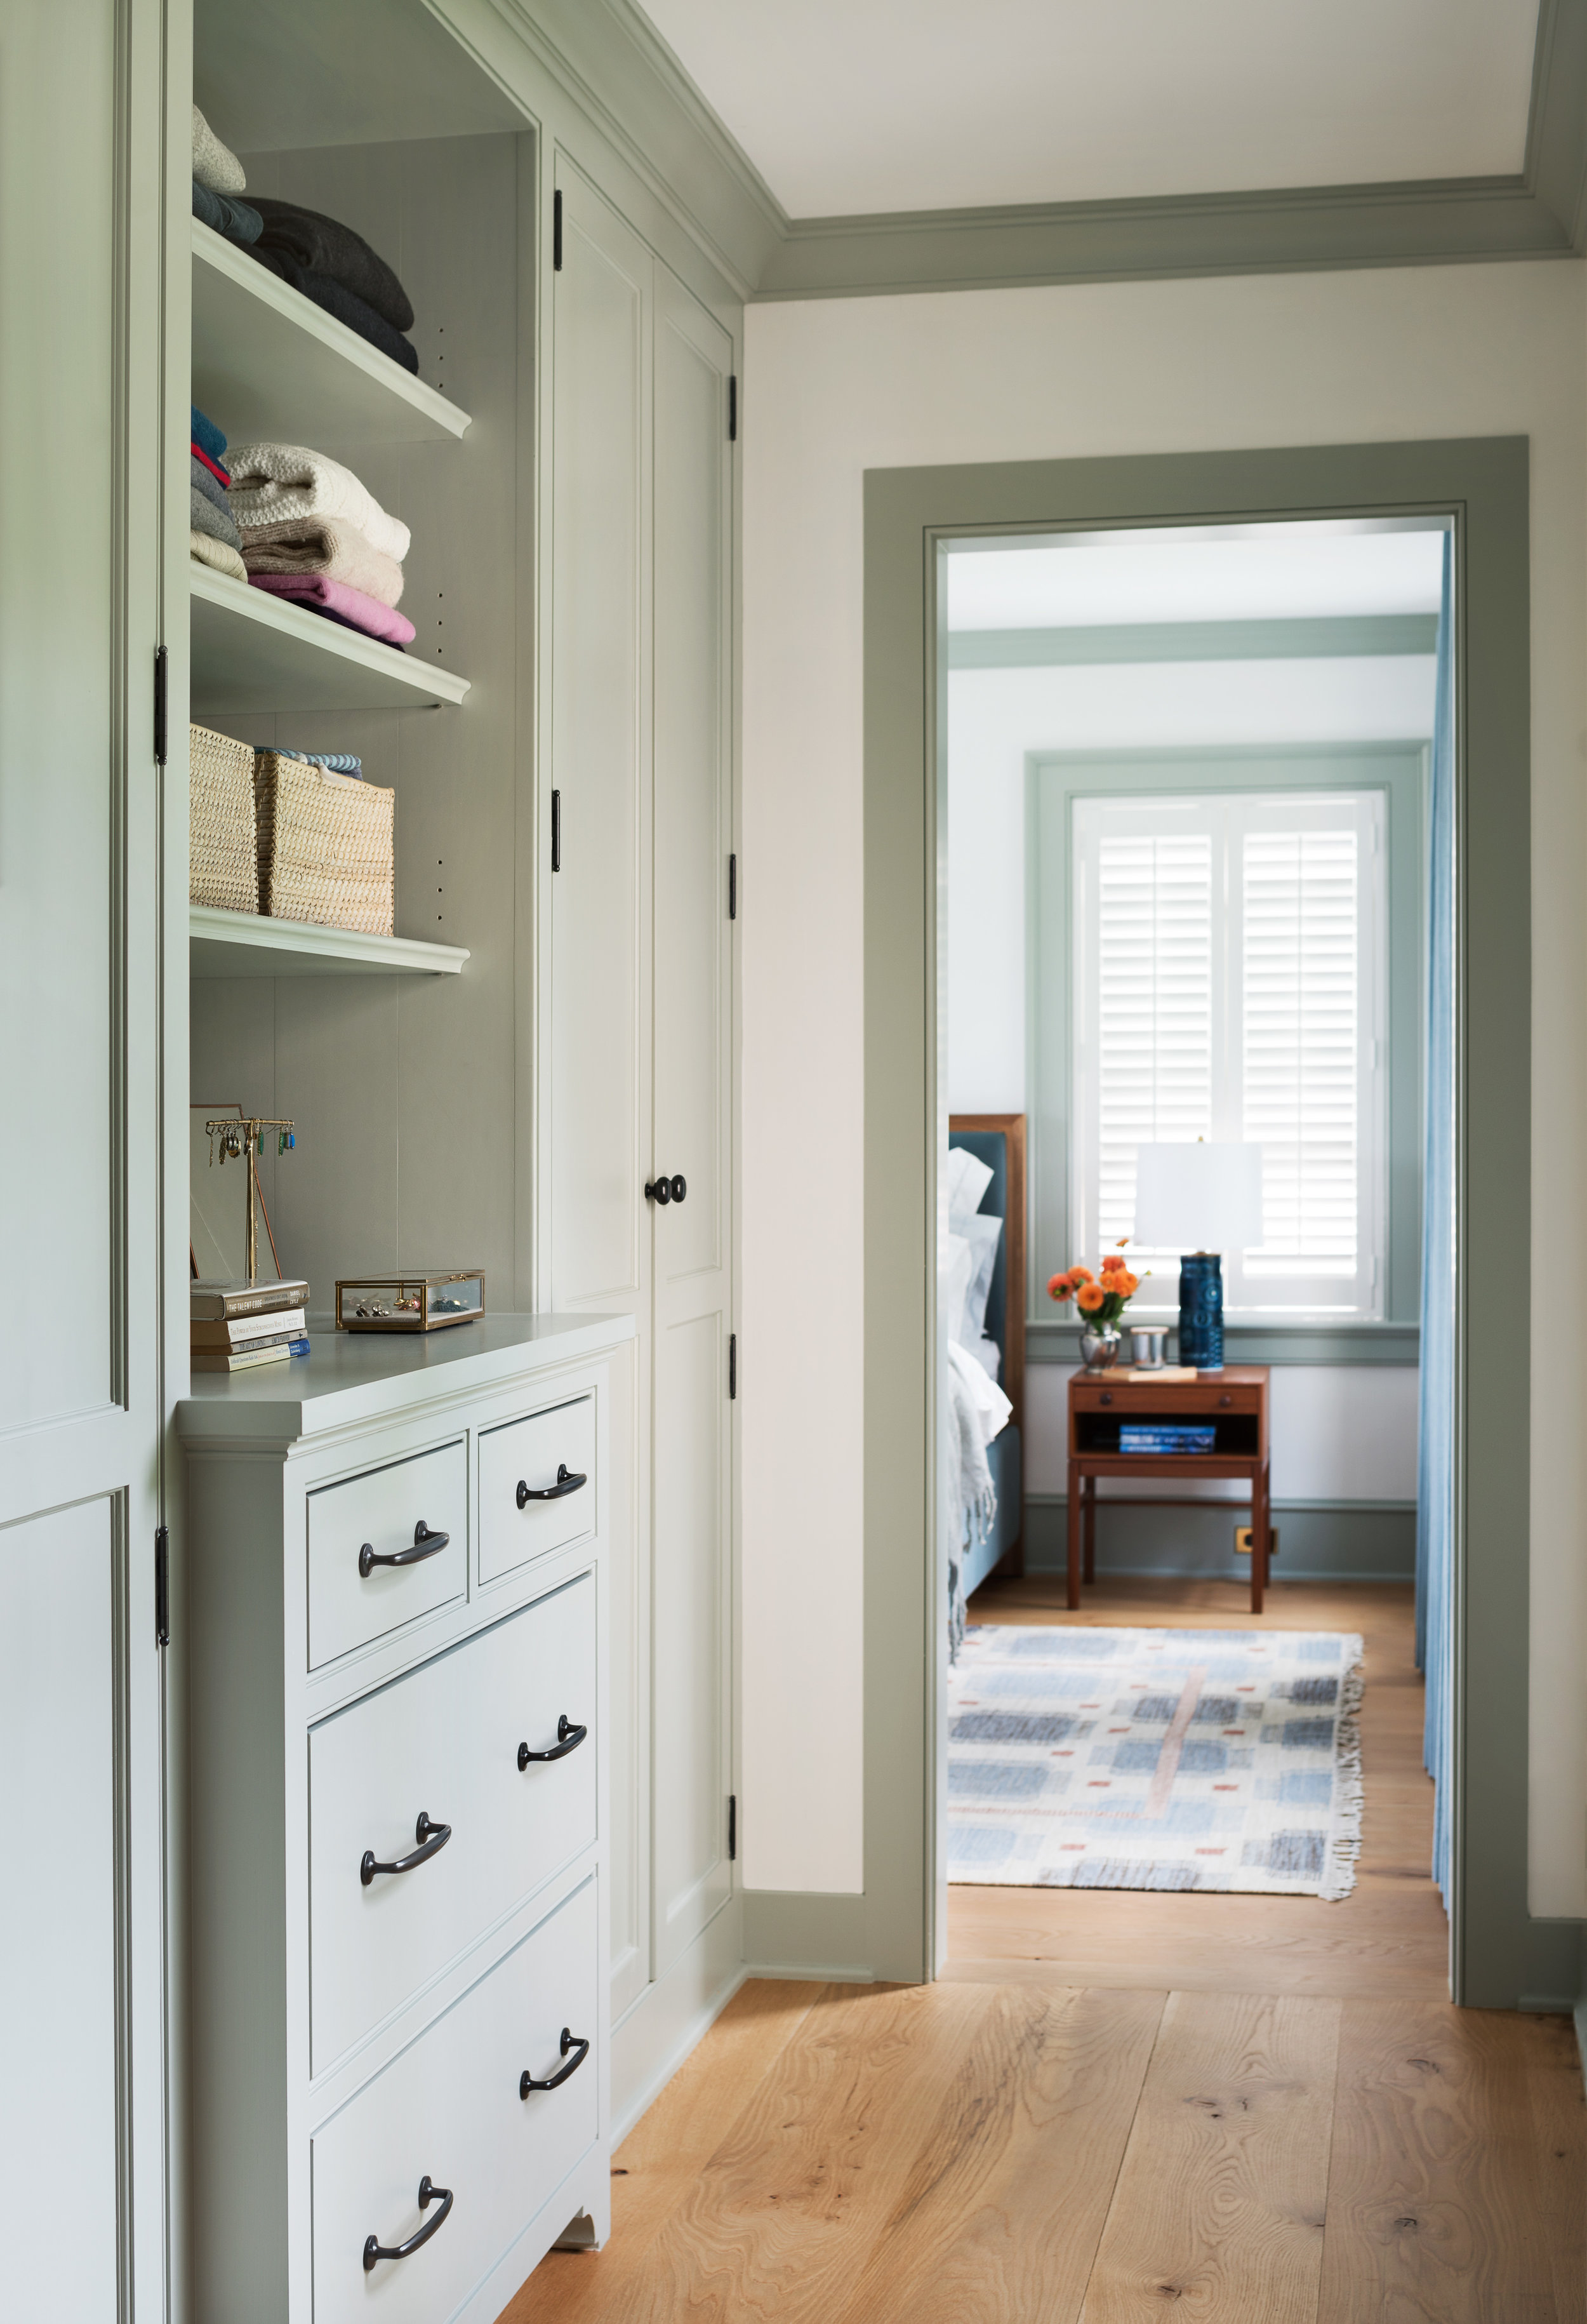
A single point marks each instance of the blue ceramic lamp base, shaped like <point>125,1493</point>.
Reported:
<point>1201,1310</point>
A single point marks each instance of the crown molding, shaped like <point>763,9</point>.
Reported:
<point>611,60</point>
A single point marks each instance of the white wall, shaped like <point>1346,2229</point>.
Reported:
<point>994,716</point>
<point>835,387</point>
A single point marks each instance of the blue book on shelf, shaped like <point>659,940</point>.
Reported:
<point>1186,1436</point>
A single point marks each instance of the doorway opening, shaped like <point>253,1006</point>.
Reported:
<point>1197,782</point>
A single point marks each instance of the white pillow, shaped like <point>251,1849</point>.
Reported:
<point>967,1181</point>
<point>981,1233</point>
<point>957,1267</point>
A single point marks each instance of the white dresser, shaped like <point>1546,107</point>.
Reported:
<point>397,1626</point>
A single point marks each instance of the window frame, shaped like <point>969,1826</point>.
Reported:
<point>1055,781</point>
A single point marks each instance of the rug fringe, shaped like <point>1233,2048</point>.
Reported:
<point>1344,1842</point>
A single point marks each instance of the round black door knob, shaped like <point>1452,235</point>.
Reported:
<point>680,1187</point>
<point>660,1190</point>
<point>1106,1395</point>
<point>1225,1399</point>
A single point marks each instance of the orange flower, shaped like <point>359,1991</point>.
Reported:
<point>1092,1295</point>
<point>1059,1287</point>
<point>1080,1274</point>
<point>1126,1282</point>
<point>1113,1265</point>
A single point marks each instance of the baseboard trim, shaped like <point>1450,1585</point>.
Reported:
<point>656,2033</point>
<point>807,1933</point>
<point>1321,1541</point>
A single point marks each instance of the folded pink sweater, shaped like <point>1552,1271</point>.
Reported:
<point>317,593</point>
<point>325,545</point>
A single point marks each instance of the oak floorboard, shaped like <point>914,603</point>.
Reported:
<point>1449,2200</point>
<point>1389,1936</point>
<point>1559,2113</point>
<point>1042,2101</point>
<point>663,2157</point>
<point>1219,2208</point>
<point>784,2217</point>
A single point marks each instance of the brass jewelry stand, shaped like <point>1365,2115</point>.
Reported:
<point>245,1139</point>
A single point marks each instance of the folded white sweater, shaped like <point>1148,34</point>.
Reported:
<point>271,483</point>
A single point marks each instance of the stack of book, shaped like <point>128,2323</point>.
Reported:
<point>1168,1436</point>
<point>237,1326</point>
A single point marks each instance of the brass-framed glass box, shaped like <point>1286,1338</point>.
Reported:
<point>410,1302</point>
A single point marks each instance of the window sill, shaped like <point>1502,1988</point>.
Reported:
<point>1262,1343</point>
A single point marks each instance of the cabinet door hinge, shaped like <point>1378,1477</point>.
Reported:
<point>162,716</point>
<point>732,887</point>
<point>732,1365</point>
<point>732,406</point>
<point>163,1586</point>
<point>732,1827</point>
<point>556,231</point>
<point>556,831</point>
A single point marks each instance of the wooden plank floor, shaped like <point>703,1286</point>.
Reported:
<point>1113,2108</point>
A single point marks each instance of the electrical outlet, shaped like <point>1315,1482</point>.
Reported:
<point>1243,1542</point>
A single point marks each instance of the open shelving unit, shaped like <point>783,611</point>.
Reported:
<point>241,944</point>
<point>250,328</point>
<point>255,653</point>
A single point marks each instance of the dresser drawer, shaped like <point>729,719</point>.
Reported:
<point>529,1502</point>
<point>353,1597</point>
<point>449,2109</point>
<point>445,1742</point>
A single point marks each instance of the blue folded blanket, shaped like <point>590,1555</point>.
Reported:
<point>238,221</point>
<point>206,433</point>
<point>335,762</point>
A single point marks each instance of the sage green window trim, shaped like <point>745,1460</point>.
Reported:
<point>1047,1342</point>
<point>1054,781</point>
<point>911,515</point>
<point>1334,637</point>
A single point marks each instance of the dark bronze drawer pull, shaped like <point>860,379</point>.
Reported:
<point>428,2192</point>
<point>568,1738</point>
<point>566,1483</point>
<point>526,2081</point>
<point>425,1544</point>
<point>432,1839</point>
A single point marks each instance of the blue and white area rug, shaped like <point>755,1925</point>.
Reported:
<point>1206,1760</point>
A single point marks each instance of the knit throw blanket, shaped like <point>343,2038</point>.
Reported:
<point>316,592</point>
<point>215,165</point>
<point>271,483</point>
<point>206,550</point>
<point>202,516</point>
<point>318,244</point>
<point>327,545</point>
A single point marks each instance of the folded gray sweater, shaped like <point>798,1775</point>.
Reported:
<point>204,517</point>
<point>204,480</point>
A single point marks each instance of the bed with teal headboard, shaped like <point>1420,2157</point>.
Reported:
<point>998,1140</point>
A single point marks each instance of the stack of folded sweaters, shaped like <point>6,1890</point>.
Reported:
<point>213,538</point>
<point>312,533</point>
<point>318,255</point>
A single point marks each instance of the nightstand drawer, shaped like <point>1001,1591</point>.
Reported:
<point>537,1486</point>
<point>448,2109</point>
<point>1185,1399</point>
<point>445,1742</point>
<point>354,1528</point>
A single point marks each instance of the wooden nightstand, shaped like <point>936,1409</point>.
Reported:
<point>1236,1400</point>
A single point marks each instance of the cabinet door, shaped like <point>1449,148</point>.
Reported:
<point>600,1079</point>
<point>82,2113</point>
<point>691,1262</point>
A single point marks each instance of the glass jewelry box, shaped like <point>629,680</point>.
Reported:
<point>409,1302</point>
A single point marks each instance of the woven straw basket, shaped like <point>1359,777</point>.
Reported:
<point>222,859</point>
<point>326,847</point>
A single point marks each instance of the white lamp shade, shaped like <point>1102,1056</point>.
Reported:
<point>1199,1197</point>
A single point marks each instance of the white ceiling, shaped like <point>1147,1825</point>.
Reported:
<point>1240,573</point>
<point>857,105</point>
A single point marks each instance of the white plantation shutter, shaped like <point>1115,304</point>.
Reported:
<point>1154,1005</point>
<point>1300,1007</point>
<point>1228,984</point>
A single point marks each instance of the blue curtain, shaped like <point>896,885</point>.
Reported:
<point>1435,1461</point>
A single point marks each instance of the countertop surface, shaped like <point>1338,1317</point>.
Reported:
<point>353,1376</point>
